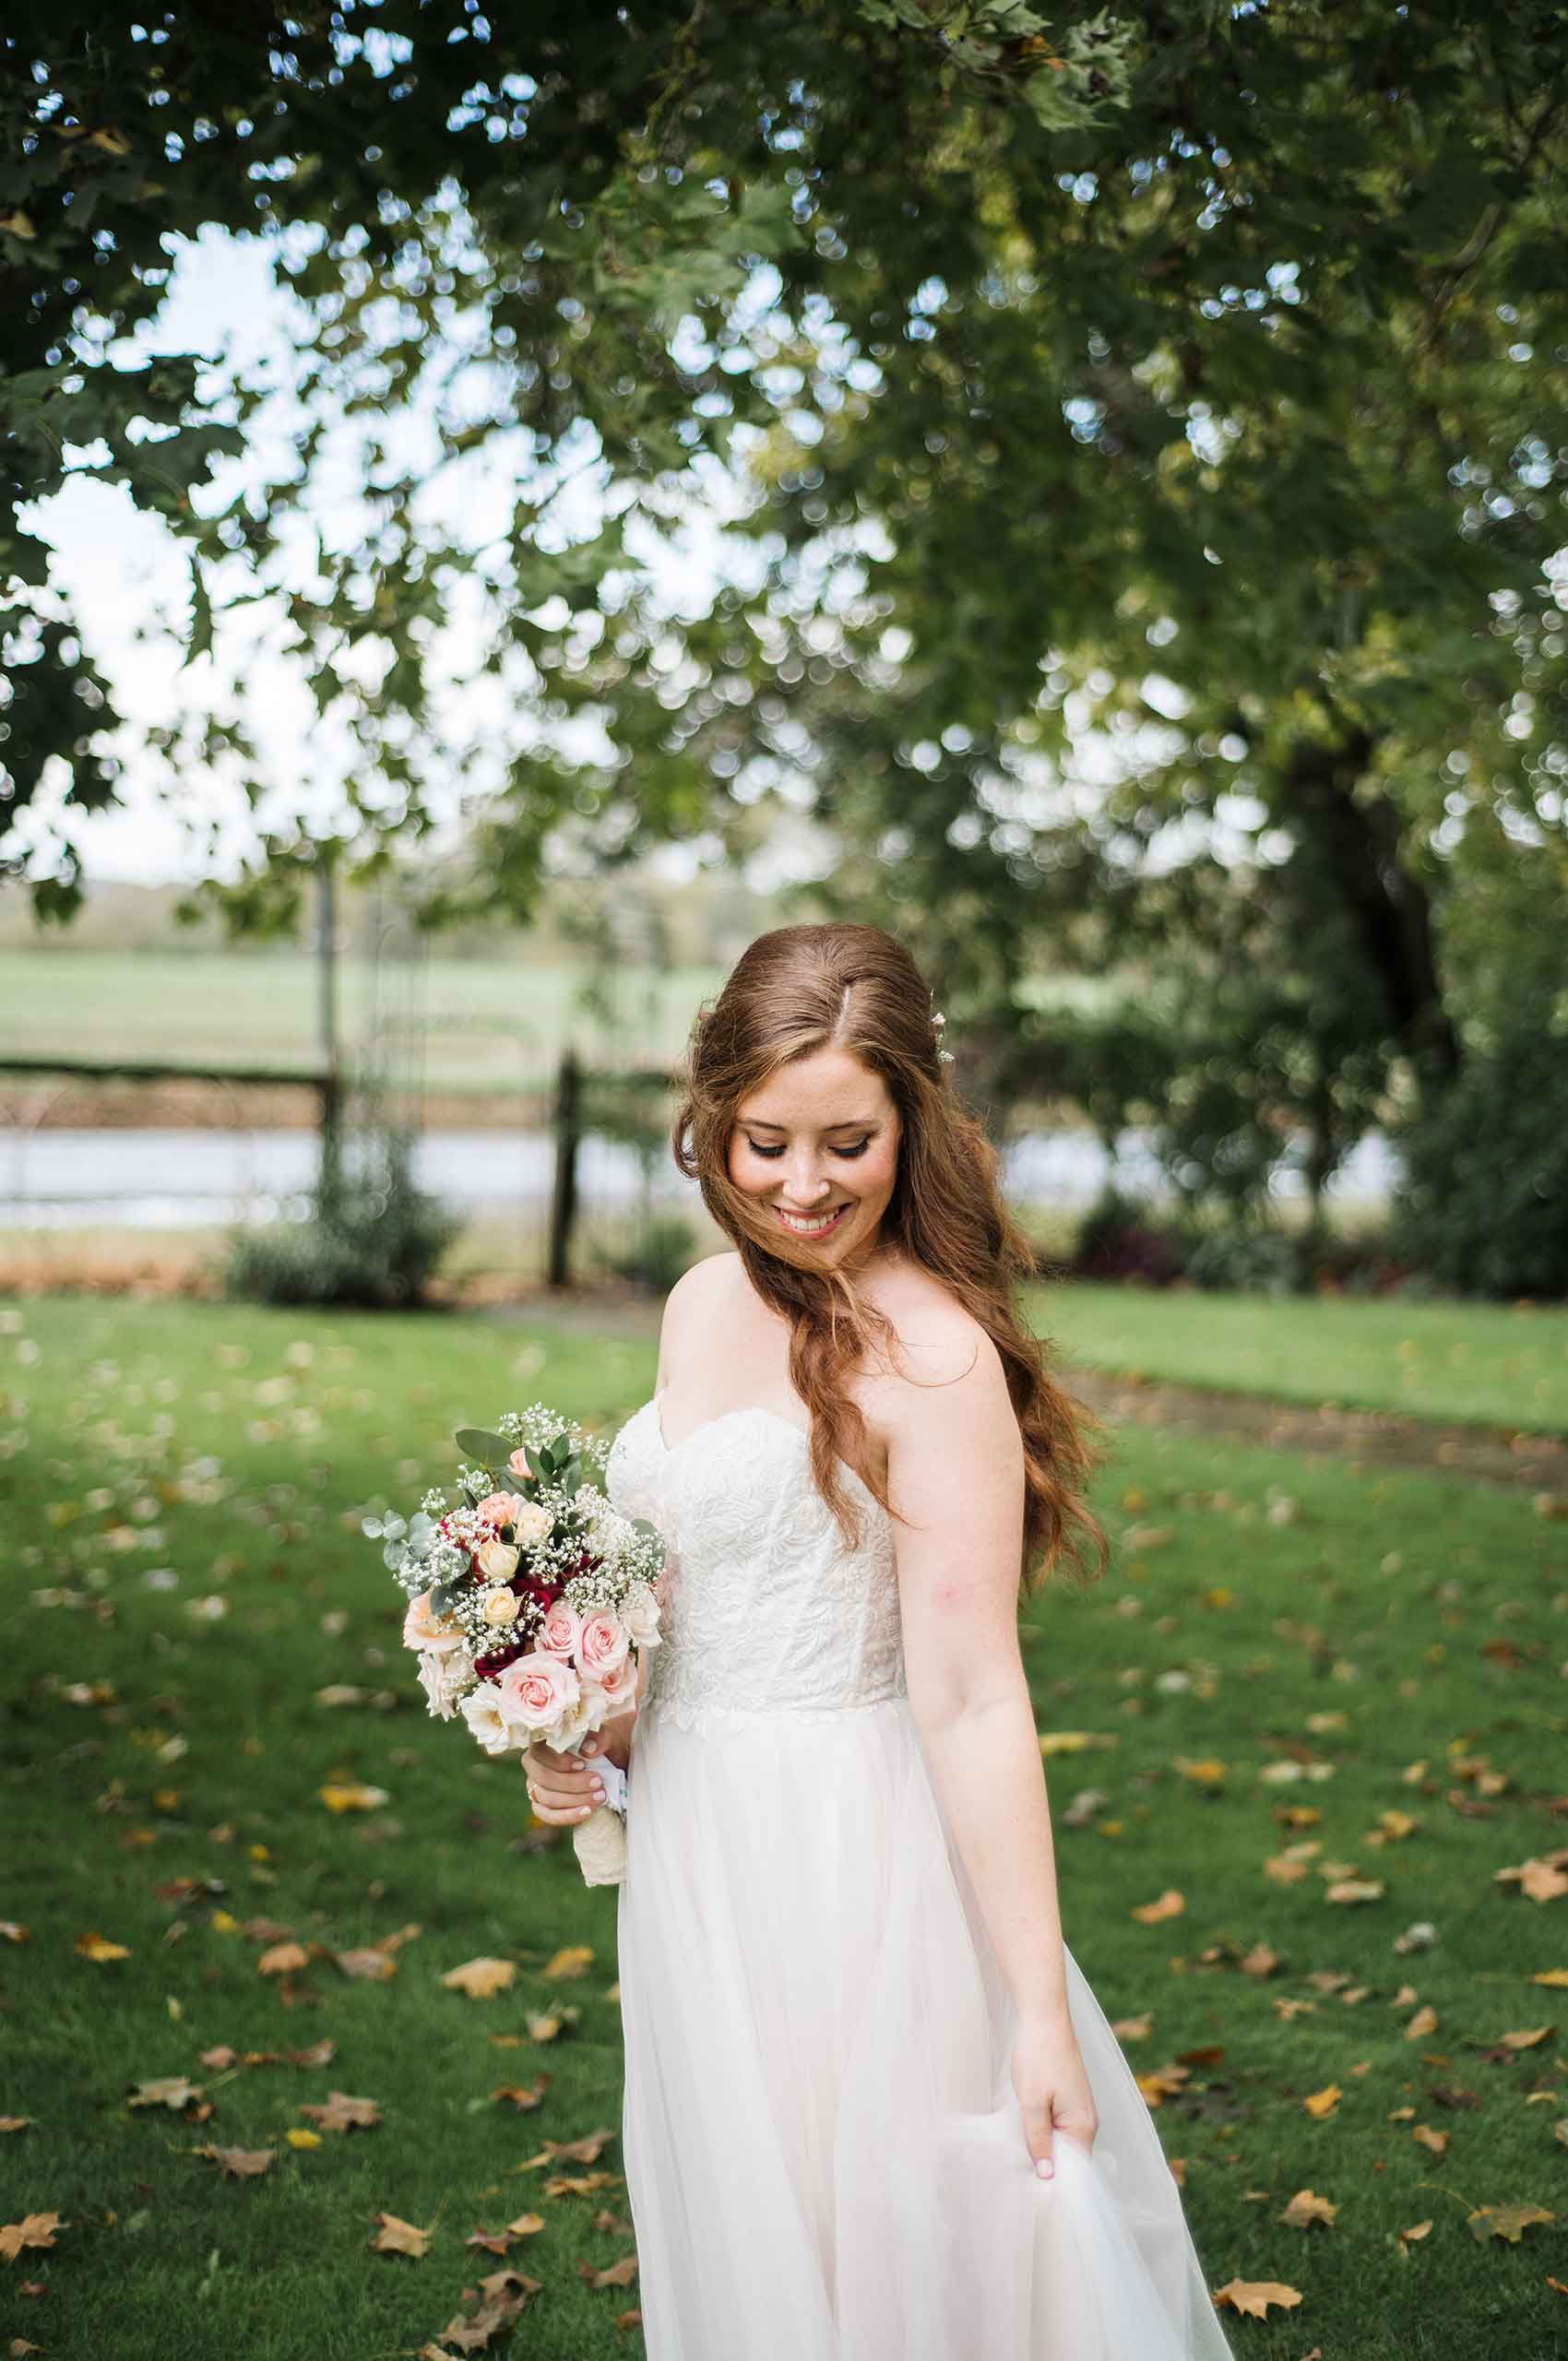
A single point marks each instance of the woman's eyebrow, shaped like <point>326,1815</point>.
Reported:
<point>855,1123</point>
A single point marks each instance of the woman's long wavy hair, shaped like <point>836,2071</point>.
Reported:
<point>800,989</point>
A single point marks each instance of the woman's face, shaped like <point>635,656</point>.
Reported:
<point>817,1144</point>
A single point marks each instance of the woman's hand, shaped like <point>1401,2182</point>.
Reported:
<point>563,1787</point>
<point>1052,2088</point>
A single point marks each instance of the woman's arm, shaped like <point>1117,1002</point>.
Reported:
<point>956,1471</point>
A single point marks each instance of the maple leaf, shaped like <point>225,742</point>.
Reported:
<point>168,2089</point>
<point>542,2027</point>
<point>369,1965</point>
<point>480,1978</point>
<point>1425,2021</point>
<point>283,1959</point>
<point>1508,2222</point>
<point>33,2230</point>
<point>574,1959</point>
<point>242,2164</point>
<point>1259,1961</point>
<point>1253,2296</point>
<point>342,2113</point>
<point>320,2053</point>
<point>1321,2104</point>
<point>98,1947</point>
<point>501,2296</point>
<point>1541,1878</point>
<point>1162,2083</point>
<point>1305,2208</point>
<point>397,2237</point>
<point>614,2274</point>
<point>1169,1905</point>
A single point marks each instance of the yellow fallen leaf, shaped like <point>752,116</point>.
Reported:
<point>1305,2208</point>
<point>33,2230</point>
<point>1556,1976</point>
<point>353,1795</point>
<point>480,1978</point>
<point>1527,2040</point>
<point>282,1958</point>
<point>1356,1889</point>
<point>397,2237</point>
<point>298,2136</point>
<point>1425,2021</point>
<point>1206,1772</point>
<point>98,1947</point>
<point>1322,2103</point>
<point>574,1959</point>
<point>1436,2141</point>
<point>1408,2238</point>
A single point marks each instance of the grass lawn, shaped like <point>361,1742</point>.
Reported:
<point>1357,1679</point>
<point>1494,1364</point>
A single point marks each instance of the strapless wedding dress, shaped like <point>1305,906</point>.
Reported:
<point>825,2157</point>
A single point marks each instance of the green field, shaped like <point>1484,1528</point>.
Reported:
<point>1491,1364</point>
<point>1287,1654</point>
<point>491,1025</point>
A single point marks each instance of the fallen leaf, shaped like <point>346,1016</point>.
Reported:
<point>342,2113</point>
<point>1162,2083</point>
<point>575,1960</point>
<point>1134,2028</point>
<point>298,2136</point>
<point>1320,2103</point>
<point>1542,1879</point>
<point>242,2164</point>
<point>1356,1889</point>
<point>614,2274</point>
<point>98,1947</point>
<point>283,1959</point>
<point>1253,2296</point>
<point>1206,1772</point>
<point>1508,2222</point>
<point>1556,1976</point>
<point>480,1978</point>
<point>396,2236</point>
<point>368,1965</point>
<point>1408,2238</point>
<point>352,1795</point>
<point>1259,1961</point>
<point>1305,2208</point>
<point>1425,2021</point>
<point>1527,2040</point>
<point>1436,2141</point>
<point>168,2089</point>
<point>1169,1905</point>
<point>33,2230</point>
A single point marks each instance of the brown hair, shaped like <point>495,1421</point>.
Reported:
<point>801,989</point>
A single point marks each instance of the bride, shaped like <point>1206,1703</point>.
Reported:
<point>873,2111</point>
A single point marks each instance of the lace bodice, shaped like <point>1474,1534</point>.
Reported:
<point>766,1609</point>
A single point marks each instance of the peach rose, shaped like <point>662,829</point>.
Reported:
<point>518,1463</point>
<point>537,1691</point>
<point>497,1561</point>
<point>558,1632</point>
<point>500,1508</point>
<point>422,1628</point>
<point>602,1643</point>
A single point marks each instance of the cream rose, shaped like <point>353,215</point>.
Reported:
<point>446,1680</point>
<point>532,1523</point>
<point>483,1711</point>
<point>558,1632</point>
<point>500,1607</point>
<point>422,1628</point>
<point>497,1561</point>
<point>639,1613</point>
<point>536,1692</point>
<point>602,1643</point>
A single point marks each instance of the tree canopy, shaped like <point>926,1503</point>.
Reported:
<point>1142,435</point>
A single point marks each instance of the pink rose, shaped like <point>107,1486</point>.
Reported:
<point>537,1690</point>
<point>500,1508</point>
<point>618,1684</point>
<point>518,1463</point>
<point>558,1634</point>
<point>602,1643</point>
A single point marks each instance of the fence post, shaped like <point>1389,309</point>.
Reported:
<point>563,1196</point>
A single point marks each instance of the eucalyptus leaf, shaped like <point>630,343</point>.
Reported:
<point>483,1448</point>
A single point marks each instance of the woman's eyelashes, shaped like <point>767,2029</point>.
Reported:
<point>757,1148</point>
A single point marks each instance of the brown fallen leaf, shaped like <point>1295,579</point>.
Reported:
<point>1408,2238</point>
<point>219,2058</point>
<point>480,1978</point>
<point>342,2113</point>
<point>1356,1889</point>
<point>1134,2028</point>
<point>320,2053</point>
<point>614,2274</point>
<point>1437,2141</point>
<point>1259,1961</point>
<point>1542,1879</point>
<point>369,1965</point>
<point>1321,2104</point>
<point>1508,2222</point>
<point>1162,2083</point>
<point>1425,2021</point>
<point>520,2096</point>
<point>397,2237</point>
<point>1169,1905</point>
<point>32,2230</point>
<point>1253,2296</point>
<point>501,2296</point>
<point>242,2164</point>
<point>15,2122</point>
<point>1305,2208</point>
<point>98,1947</point>
<point>283,1959</point>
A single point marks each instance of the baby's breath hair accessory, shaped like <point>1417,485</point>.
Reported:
<point>937,1021</point>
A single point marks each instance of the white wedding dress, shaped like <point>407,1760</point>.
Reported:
<point>824,2155</point>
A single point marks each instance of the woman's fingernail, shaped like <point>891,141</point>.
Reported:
<point>1044,2169</point>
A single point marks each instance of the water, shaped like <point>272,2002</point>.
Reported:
<point>191,1180</point>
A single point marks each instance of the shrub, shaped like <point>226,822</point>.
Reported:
<point>1119,1240</point>
<point>1483,1207</point>
<point>663,1251</point>
<point>1248,1258</point>
<point>374,1241</point>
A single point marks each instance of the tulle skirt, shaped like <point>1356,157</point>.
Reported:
<point>825,2157</point>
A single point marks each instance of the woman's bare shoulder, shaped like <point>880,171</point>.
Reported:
<point>937,1338</point>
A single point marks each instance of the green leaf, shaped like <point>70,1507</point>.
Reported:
<point>482,1448</point>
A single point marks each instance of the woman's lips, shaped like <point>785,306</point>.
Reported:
<point>814,1228</point>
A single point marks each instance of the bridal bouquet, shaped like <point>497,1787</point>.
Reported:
<point>529,1601</point>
